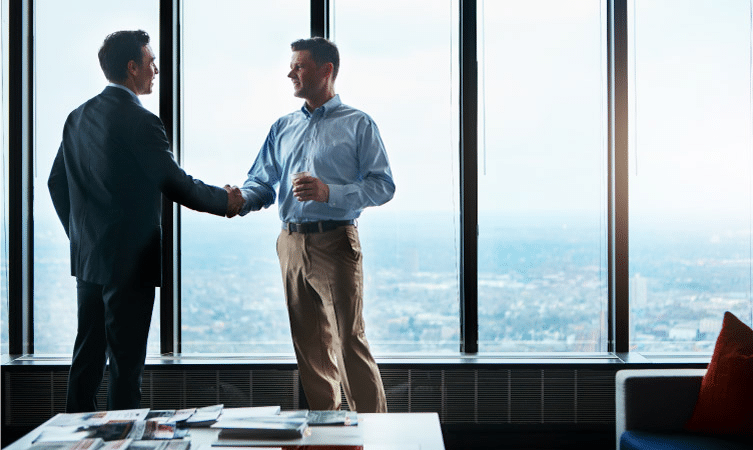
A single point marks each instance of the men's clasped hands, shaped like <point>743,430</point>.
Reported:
<point>304,188</point>
<point>234,200</point>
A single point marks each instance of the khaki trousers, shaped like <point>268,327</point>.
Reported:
<point>323,278</point>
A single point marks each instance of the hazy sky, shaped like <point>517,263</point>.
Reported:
<point>543,80</point>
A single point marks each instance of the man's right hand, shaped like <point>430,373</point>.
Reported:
<point>235,200</point>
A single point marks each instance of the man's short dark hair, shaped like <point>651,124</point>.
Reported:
<point>322,51</point>
<point>118,49</point>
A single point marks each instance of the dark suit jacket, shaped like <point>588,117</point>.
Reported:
<point>113,163</point>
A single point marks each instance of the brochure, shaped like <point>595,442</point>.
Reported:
<point>203,417</point>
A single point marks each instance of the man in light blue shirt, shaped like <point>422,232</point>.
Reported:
<point>329,163</point>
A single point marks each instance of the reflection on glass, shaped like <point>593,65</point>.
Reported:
<point>68,35</point>
<point>401,68</point>
<point>542,171</point>
<point>690,174</point>
<point>236,58</point>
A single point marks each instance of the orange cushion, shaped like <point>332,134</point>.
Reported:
<point>725,401</point>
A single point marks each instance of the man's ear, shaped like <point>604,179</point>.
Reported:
<point>133,68</point>
<point>328,68</point>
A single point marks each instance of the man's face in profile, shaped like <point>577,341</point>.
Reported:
<point>308,79</point>
<point>146,72</point>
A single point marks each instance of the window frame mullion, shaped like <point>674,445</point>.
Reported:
<point>170,114</point>
<point>618,238</point>
<point>21,177</point>
<point>468,178</point>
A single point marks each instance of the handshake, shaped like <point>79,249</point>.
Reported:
<point>235,200</point>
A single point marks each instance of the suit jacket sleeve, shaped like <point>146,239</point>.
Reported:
<point>152,152</point>
<point>58,186</point>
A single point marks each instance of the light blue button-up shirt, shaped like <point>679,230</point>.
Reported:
<point>339,145</point>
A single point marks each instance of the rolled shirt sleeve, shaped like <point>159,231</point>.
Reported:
<point>375,185</point>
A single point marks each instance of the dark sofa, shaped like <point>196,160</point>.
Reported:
<point>652,406</point>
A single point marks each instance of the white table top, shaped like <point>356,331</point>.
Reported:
<point>390,431</point>
<point>404,431</point>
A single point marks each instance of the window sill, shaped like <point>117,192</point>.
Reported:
<point>480,360</point>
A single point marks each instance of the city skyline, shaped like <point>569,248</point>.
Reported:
<point>411,304</point>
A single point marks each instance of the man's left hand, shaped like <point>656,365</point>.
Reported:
<point>311,188</point>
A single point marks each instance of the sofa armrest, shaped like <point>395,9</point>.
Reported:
<point>655,399</point>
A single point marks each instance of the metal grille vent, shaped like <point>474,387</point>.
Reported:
<point>504,396</point>
<point>493,396</point>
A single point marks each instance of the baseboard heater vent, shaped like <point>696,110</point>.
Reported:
<point>459,396</point>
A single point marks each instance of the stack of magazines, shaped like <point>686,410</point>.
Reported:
<point>144,429</point>
<point>135,429</point>
<point>257,423</point>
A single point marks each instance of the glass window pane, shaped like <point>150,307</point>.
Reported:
<point>236,58</point>
<point>401,69</point>
<point>67,73</point>
<point>690,174</point>
<point>542,169</point>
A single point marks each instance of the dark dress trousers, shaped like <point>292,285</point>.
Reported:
<point>106,182</point>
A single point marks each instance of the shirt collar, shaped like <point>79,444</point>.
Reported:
<point>325,109</point>
<point>120,86</point>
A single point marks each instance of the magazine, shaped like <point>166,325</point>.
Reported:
<point>121,444</point>
<point>203,417</point>
<point>118,430</point>
<point>268,427</point>
<point>82,444</point>
<point>246,413</point>
<point>171,415</point>
<point>159,445</point>
<point>83,420</point>
<point>319,418</point>
<point>115,430</point>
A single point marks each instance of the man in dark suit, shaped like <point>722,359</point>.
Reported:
<point>113,165</point>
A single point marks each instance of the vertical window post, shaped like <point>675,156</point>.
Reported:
<point>468,178</point>
<point>617,79</point>
<point>320,18</point>
<point>20,178</point>
<point>169,110</point>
